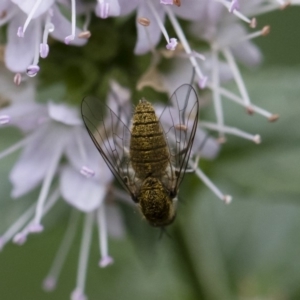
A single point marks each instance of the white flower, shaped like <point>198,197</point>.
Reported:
<point>26,43</point>
<point>54,131</point>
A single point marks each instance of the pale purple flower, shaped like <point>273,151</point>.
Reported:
<point>54,131</point>
<point>29,25</point>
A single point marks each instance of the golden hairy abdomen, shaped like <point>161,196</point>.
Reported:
<point>148,148</point>
<point>155,203</point>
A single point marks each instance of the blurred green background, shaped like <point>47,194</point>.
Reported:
<point>247,250</point>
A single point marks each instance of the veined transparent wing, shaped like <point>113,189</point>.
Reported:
<point>109,130</point>
<point>179,121</point>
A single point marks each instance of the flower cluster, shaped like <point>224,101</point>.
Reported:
<point>55,143</point>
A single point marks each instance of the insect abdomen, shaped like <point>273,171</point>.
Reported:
<point>148,148</point>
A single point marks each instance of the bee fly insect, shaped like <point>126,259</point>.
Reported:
<point>150,157</point>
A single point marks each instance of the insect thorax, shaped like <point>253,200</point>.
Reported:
<point>148,149</point>
<point>156,203</point>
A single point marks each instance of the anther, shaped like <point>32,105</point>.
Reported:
<point>36,228</point>
<point>87,172</point>
<point>274,118</point>
<point>202,82</point>
<point>20,32</point>
<point>20,238</point>
<point>143,21</point>
<point>44,50</point>
<point>253,23</point>
<point>84,34</point>
<point>106,261</point>
<point>17,79</point>
<point>78,294</point>
<point>172,44</point>
<point>32,70</point>
<point>69,38</point>
<point>227,199</point>
<point>49,284</point>
<point>266,30</point>
<point>249,110</point>
<point>257,139</point>
<point>4,119</point>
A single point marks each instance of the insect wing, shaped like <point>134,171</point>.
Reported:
<point>179,121</point>
<point>109,131</point>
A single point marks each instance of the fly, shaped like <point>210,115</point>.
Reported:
<point>149,152</point>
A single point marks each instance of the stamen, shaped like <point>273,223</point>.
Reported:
<point>263,32</point>
<point>237,76</point>
<point>231,130</point>
<point>226,198</point>
<point>14,147</point>
<point>102,9</point>
<point>17,79</point>
<point>49,27</point>
<point>86,171</point>
<point>265,9</point>
<point>71,37</point>
<point>202,82</point>
<point>145,22</point>
<point>15,227</point>
<point>235,12</point>
<point>4,119</point>
<point>21,237</point>
<point>21,30</point>
<point>36,224</point>
<point>216,93</point>
<point>87,21</point>
<point>78,293</point>
<point>106,260</point>
<point>198,55</point>
<point>185,43</point>
<point>230,96</point>
<point>171,43</point>
<point>33,69</point>
<point>51,279</point>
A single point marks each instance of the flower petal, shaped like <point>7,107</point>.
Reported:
<point>4,5</point>
<point>25,93</point>
<point>34,161</point>
<point>19,52</point>
<point>92,158</point>
<point>63,28</point>
<point>26,116</point>
<point>207,147</point>
<point>27,5</point>
<point>114,8</point>
<point>63,113</point>
<point>127,7</point>
<point>151,37</point>
<point>190,10</point>
<point>83,193</point>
